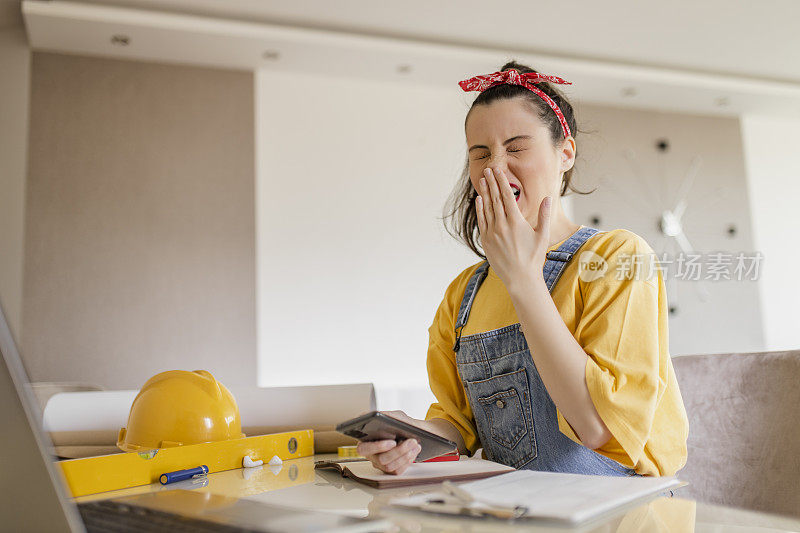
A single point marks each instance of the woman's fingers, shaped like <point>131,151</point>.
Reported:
<point>407,461</point>
<point>375,447</point>
<point>543,223</point>
<point>389,456</point>
<point>506,192</point>
<point>486,201</point>
<point>498,209</point>
<point>480,215</point>
<point>397,453</point>
<point>399,464</point>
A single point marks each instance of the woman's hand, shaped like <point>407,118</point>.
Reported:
<point>513,248</point>
<point>389,456</point>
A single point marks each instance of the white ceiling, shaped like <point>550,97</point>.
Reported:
<point>718,36</point>
<point>702,56</point>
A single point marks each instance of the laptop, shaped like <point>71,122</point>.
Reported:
<point>34,497</point>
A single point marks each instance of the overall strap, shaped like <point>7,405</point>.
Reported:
<point>554,265</point>
<point>469,295</point>
<point>558,259</point>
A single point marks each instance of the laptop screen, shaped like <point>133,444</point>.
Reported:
<point>32,494</point>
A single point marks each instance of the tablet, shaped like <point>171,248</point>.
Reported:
<point>379,426</point>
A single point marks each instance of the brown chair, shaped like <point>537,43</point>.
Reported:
<point>744,429</point>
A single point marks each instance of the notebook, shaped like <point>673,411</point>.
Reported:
<point>464,469</point>
<point>567,499</point>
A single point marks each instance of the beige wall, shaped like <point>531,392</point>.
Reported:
<point>15,58</point>
<point>139,236</point>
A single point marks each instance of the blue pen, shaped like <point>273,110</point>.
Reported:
<point>180,475</point>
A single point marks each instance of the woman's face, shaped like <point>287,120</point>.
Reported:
<point>507,135</point>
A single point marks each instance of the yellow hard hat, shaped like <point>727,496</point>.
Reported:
<point>177,408</point>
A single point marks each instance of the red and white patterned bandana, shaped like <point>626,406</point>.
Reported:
<point>513,77</point>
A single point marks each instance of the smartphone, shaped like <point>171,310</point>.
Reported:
<point>379,426</point>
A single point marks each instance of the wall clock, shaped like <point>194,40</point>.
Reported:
<point>658,202</point>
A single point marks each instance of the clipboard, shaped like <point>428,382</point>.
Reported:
<point>551,497</point>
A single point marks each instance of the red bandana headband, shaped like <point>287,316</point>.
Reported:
<point>513,77</point>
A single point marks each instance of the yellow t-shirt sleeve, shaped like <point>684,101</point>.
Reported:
<point>452,404</point>
<point>623,331</point>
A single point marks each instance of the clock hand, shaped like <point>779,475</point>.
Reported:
<point>630,156</point>
<point>683,242</point>
<point>686,186</point>
<point>671,226</point>
<point>634,203</point>
<point>686,246</point>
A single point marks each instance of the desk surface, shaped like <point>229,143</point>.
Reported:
<point>298,485</point>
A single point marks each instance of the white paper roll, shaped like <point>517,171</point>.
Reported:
<point>88,411</point>
<point>95,418</point>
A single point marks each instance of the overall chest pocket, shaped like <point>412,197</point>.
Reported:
<point>502,407</point>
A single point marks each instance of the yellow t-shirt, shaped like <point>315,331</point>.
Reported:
<point>619,317</point>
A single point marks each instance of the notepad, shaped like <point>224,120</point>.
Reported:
<point>464,469</point>
<point>548,496</point>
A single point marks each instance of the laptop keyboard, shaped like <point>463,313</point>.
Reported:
<point>107,515</point>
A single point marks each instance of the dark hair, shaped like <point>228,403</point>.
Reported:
<point>460,207</point>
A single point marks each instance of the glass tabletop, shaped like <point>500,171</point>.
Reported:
<point>297,484</point>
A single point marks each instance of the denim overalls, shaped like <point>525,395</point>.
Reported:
<point>515,417</point>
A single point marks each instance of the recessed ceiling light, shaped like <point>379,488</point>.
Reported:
<point>628,92</point>
<point>120,40</point>
<point>404,69</point>
<point>272,55</point>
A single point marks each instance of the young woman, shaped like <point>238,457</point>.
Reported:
<point>553,353</point>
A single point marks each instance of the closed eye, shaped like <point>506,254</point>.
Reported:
<point>484,156</point>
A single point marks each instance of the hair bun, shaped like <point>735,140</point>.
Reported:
<point>519,67</point>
